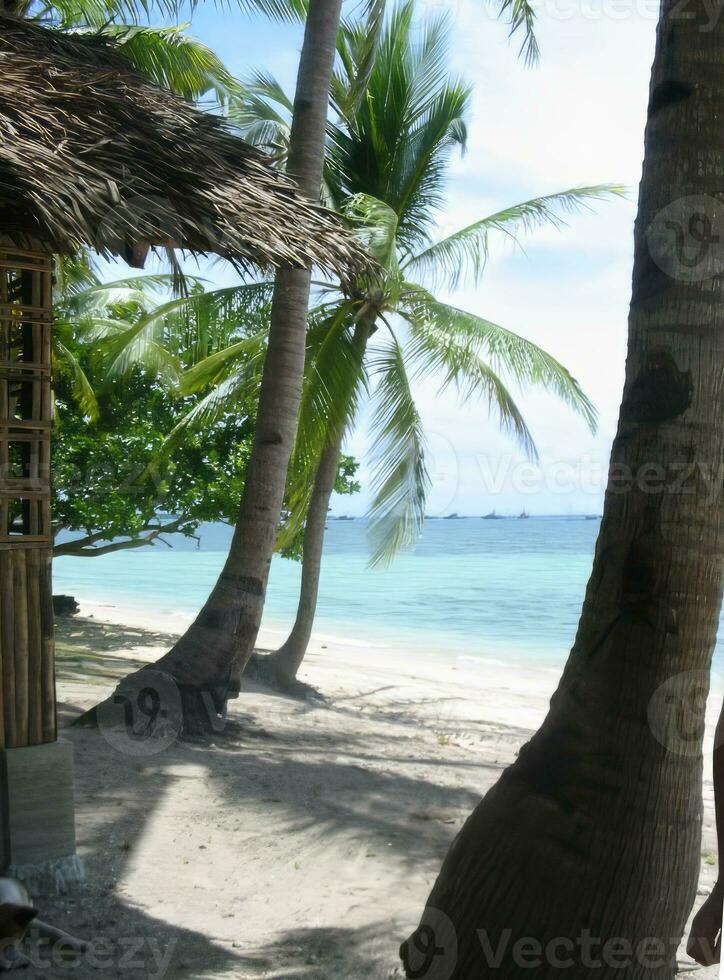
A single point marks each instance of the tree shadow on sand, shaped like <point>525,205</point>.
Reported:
<point>323,772</point>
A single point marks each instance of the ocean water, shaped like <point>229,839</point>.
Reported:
<point>507,590</point>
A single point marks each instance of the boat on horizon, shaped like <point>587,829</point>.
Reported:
<point>524,516</point>
<point>492,516</point>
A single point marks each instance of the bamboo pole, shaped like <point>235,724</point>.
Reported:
<point>27,656</point>
<point>22,646</point>
<point>7,623</point>
<point>3,654</point>
<point>45,591</point>
<point>6,354</point>
<point>35,647</point>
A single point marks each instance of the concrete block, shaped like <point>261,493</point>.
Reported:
<point>37,817</point>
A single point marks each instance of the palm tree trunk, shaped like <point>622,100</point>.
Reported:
<point>281,668</point>
<point>285,663</point>
<point>593,835</point>
<point>207,659</point>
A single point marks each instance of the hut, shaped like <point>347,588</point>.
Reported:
<point>92,154</point>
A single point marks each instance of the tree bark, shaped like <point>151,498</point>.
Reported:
<point>208,658</point>
<point>594,832</point>
<point>280,669</point>
<point>285,663</point>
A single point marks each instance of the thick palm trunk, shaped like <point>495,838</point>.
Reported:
<point>207,660</point>
<point>593,834</point>
<point>285,663</point>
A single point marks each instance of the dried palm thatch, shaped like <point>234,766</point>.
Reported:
<point>93,154</point>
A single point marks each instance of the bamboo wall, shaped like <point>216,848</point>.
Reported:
<point>27,660</point>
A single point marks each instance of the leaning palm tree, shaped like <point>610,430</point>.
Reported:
<point>583,859</point>
<point>206,659</point>
<point>386,164</point>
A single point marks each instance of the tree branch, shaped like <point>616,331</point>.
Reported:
<point>86,547</point>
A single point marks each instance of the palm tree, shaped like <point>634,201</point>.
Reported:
<point>206,660</point>
<point>595,830</point>
<point>386,165</point>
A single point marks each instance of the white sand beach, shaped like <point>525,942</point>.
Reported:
<point>304,845</point>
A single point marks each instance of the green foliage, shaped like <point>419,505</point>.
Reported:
<point>345,484</point>
<point>115,408</point>
<point>103,486</point>
<point>386,171</point>
<point>137,455</point>
<point>175,60</point>
<point>399,116</point>
<point>168,55</point>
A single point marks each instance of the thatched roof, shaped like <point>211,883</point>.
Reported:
<point>93,154</point>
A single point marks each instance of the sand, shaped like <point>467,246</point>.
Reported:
<point>302,845</point>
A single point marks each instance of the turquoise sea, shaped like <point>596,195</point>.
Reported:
<point>498,589</point>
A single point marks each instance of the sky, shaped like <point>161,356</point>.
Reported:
<point>575,119</point>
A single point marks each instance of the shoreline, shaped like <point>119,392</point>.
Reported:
<point>398,643</point>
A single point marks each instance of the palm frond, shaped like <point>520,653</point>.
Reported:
<point>223,364</point>
<point>141,291</point>
<point>504,352</point>
<point>281,10</point>
<point>434,353</point>
<point>334,382</point>
<point>263,114</point>
<point>373,17</point>
<point>465,253</point>
<point>394,144</point>
<point>74,274</point>
<point>224,399</point>
<point>96,13</point>
<point>376,225</point>
<point>92,329</point>
<point>399,471</point>
<point>141,346</point>
<point>175,60</point>
<point>521,16</point>
<point>80,387</point>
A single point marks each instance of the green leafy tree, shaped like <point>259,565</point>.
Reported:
<point>387,159</point>
<point>106,495</point>
<point>119,481</point>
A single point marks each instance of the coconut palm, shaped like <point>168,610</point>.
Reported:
<point>385,169</point>
<point>595,830</point>
<point>205,660</point>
